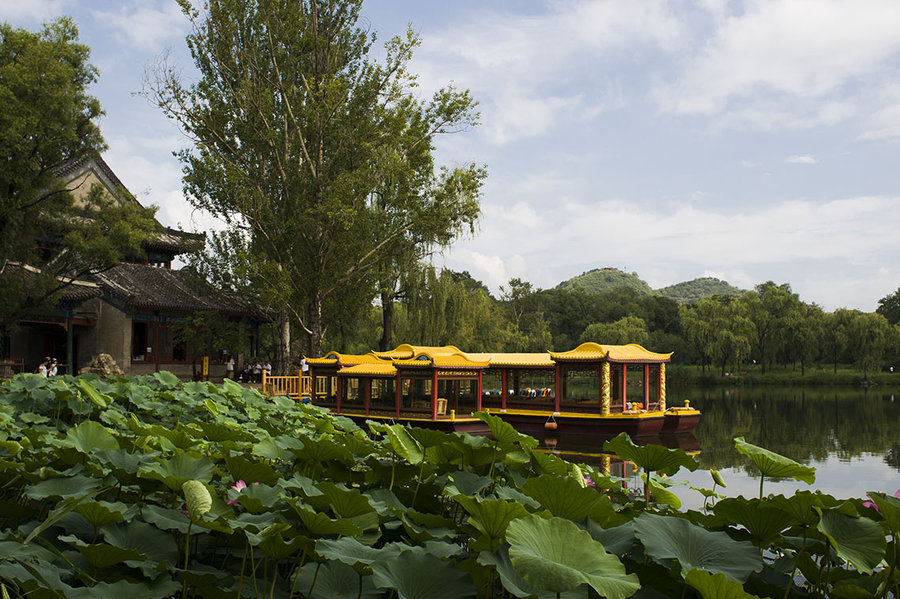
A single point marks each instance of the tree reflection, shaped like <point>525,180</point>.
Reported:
<point>803,424</point>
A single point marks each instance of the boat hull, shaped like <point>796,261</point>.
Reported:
<point>680,420</point>
<point>469,425</point>
<point>541,422</point>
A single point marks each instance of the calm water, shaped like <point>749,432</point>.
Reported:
<point>851,437</point>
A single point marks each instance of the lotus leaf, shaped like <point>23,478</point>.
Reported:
<point>258,498</point>
<point>889,508</point>
<point>251,471</point>
<point>321,525</point>
<point>167,380</point>
<point>857,540</point>
<point>179,469</point>
<point>465,483</point>
<point>717,478</point>
<point>774,465</point>
<point>164,518</point>
<point>101,513</point>
<point>348,550</point>
<point>617,539</point>
<point>555,555</point>
<point>101,555</point>
<point>694,547</point>
<point>550,464</point>
<point>272,540</point>
<point>421,576</point>
<point>515,584</point>
<point>95,396</point>
<point>660,492</point>
<point>335,580</point>
<point>491,516</point>
<point>652,458</point>
<point>404,444</point>
<point>564,497</point>
<point>89,436</point>
<point>504,433</point>
<point>716,586</point>
<point>72,486</point>
<point>763,521</point>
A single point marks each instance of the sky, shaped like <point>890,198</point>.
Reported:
<point>746,140</point>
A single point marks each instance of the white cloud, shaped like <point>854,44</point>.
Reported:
<point>528,69</point>
<point>17,11</point>
<point>787,62</point>
<point>802,159</point>
<point>144,25</point>
<point>784,242</point>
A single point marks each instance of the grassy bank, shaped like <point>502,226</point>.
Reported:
<point>846,376</point>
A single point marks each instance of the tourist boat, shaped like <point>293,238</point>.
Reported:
<point>598,390</point>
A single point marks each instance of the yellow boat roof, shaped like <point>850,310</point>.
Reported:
<point>338,359</point>
<point>534,360</point>
<point>589,352</point>
<point>385,369</point>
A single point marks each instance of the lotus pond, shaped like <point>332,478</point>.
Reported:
<point>850,436</point>
<point>149,487</point>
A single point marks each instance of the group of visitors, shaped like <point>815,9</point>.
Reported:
<point>49,367</point>
<point>252,372</point>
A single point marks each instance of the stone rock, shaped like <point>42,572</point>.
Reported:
<point>104,365</point>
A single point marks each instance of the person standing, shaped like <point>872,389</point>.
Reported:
<point>44,367</point>
<point>54,368</point>
<point>229,368</point>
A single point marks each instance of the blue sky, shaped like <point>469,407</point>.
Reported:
<point>749,141</point>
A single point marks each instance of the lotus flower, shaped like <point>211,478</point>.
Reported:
<point>874,505</point>
<point>238,487</point>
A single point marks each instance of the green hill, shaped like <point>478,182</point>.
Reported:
<point>604,279</point>
<point>686,292</point>
<point>691,291</point>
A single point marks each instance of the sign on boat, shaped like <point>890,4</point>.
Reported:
<point>591,390</point>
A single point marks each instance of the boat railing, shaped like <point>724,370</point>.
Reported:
<point>296,386</point>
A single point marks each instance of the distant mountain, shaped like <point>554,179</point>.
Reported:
<point>688,292</point>
<point>605,279</point>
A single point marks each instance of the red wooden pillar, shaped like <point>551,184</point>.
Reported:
<point>434,394</point>
<point>480,390</point>
<point>504,389</point>
<point>399,395</point>
<point>646,386</point>
<point>368,394</point>
<point>339,387</point>
<point>624,386</point>
<point>556,391</point>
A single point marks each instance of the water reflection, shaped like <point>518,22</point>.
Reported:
<point>851,437</point>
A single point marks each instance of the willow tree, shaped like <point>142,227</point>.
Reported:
<point>299,136</point>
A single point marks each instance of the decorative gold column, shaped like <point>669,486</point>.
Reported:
<point>662,386</point>
<point>604,390</point>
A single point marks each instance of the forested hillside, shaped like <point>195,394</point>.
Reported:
<point>695,290</point>
<point>604,279</point>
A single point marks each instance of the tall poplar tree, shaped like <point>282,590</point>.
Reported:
<point>315,155</point>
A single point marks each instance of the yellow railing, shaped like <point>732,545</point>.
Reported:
<point>296,386</point>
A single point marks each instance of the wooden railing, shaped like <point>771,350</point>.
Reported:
<point>296,386</point>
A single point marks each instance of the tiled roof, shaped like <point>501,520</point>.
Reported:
<point>590,352</point>
<point>338,359</point>
<point>373,369</point>
<point>533,360</point>
<point>73,290</point>
<point>144,286</point>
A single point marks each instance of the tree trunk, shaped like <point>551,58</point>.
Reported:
<point>283,349</point>
<point>316,327</point>
<point>387,321</point>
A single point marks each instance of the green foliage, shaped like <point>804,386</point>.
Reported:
<point>605,279</point>
<point>688,292</point>
<point>48,119</point>
<point>318,156</point>
<point>286,500</point>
